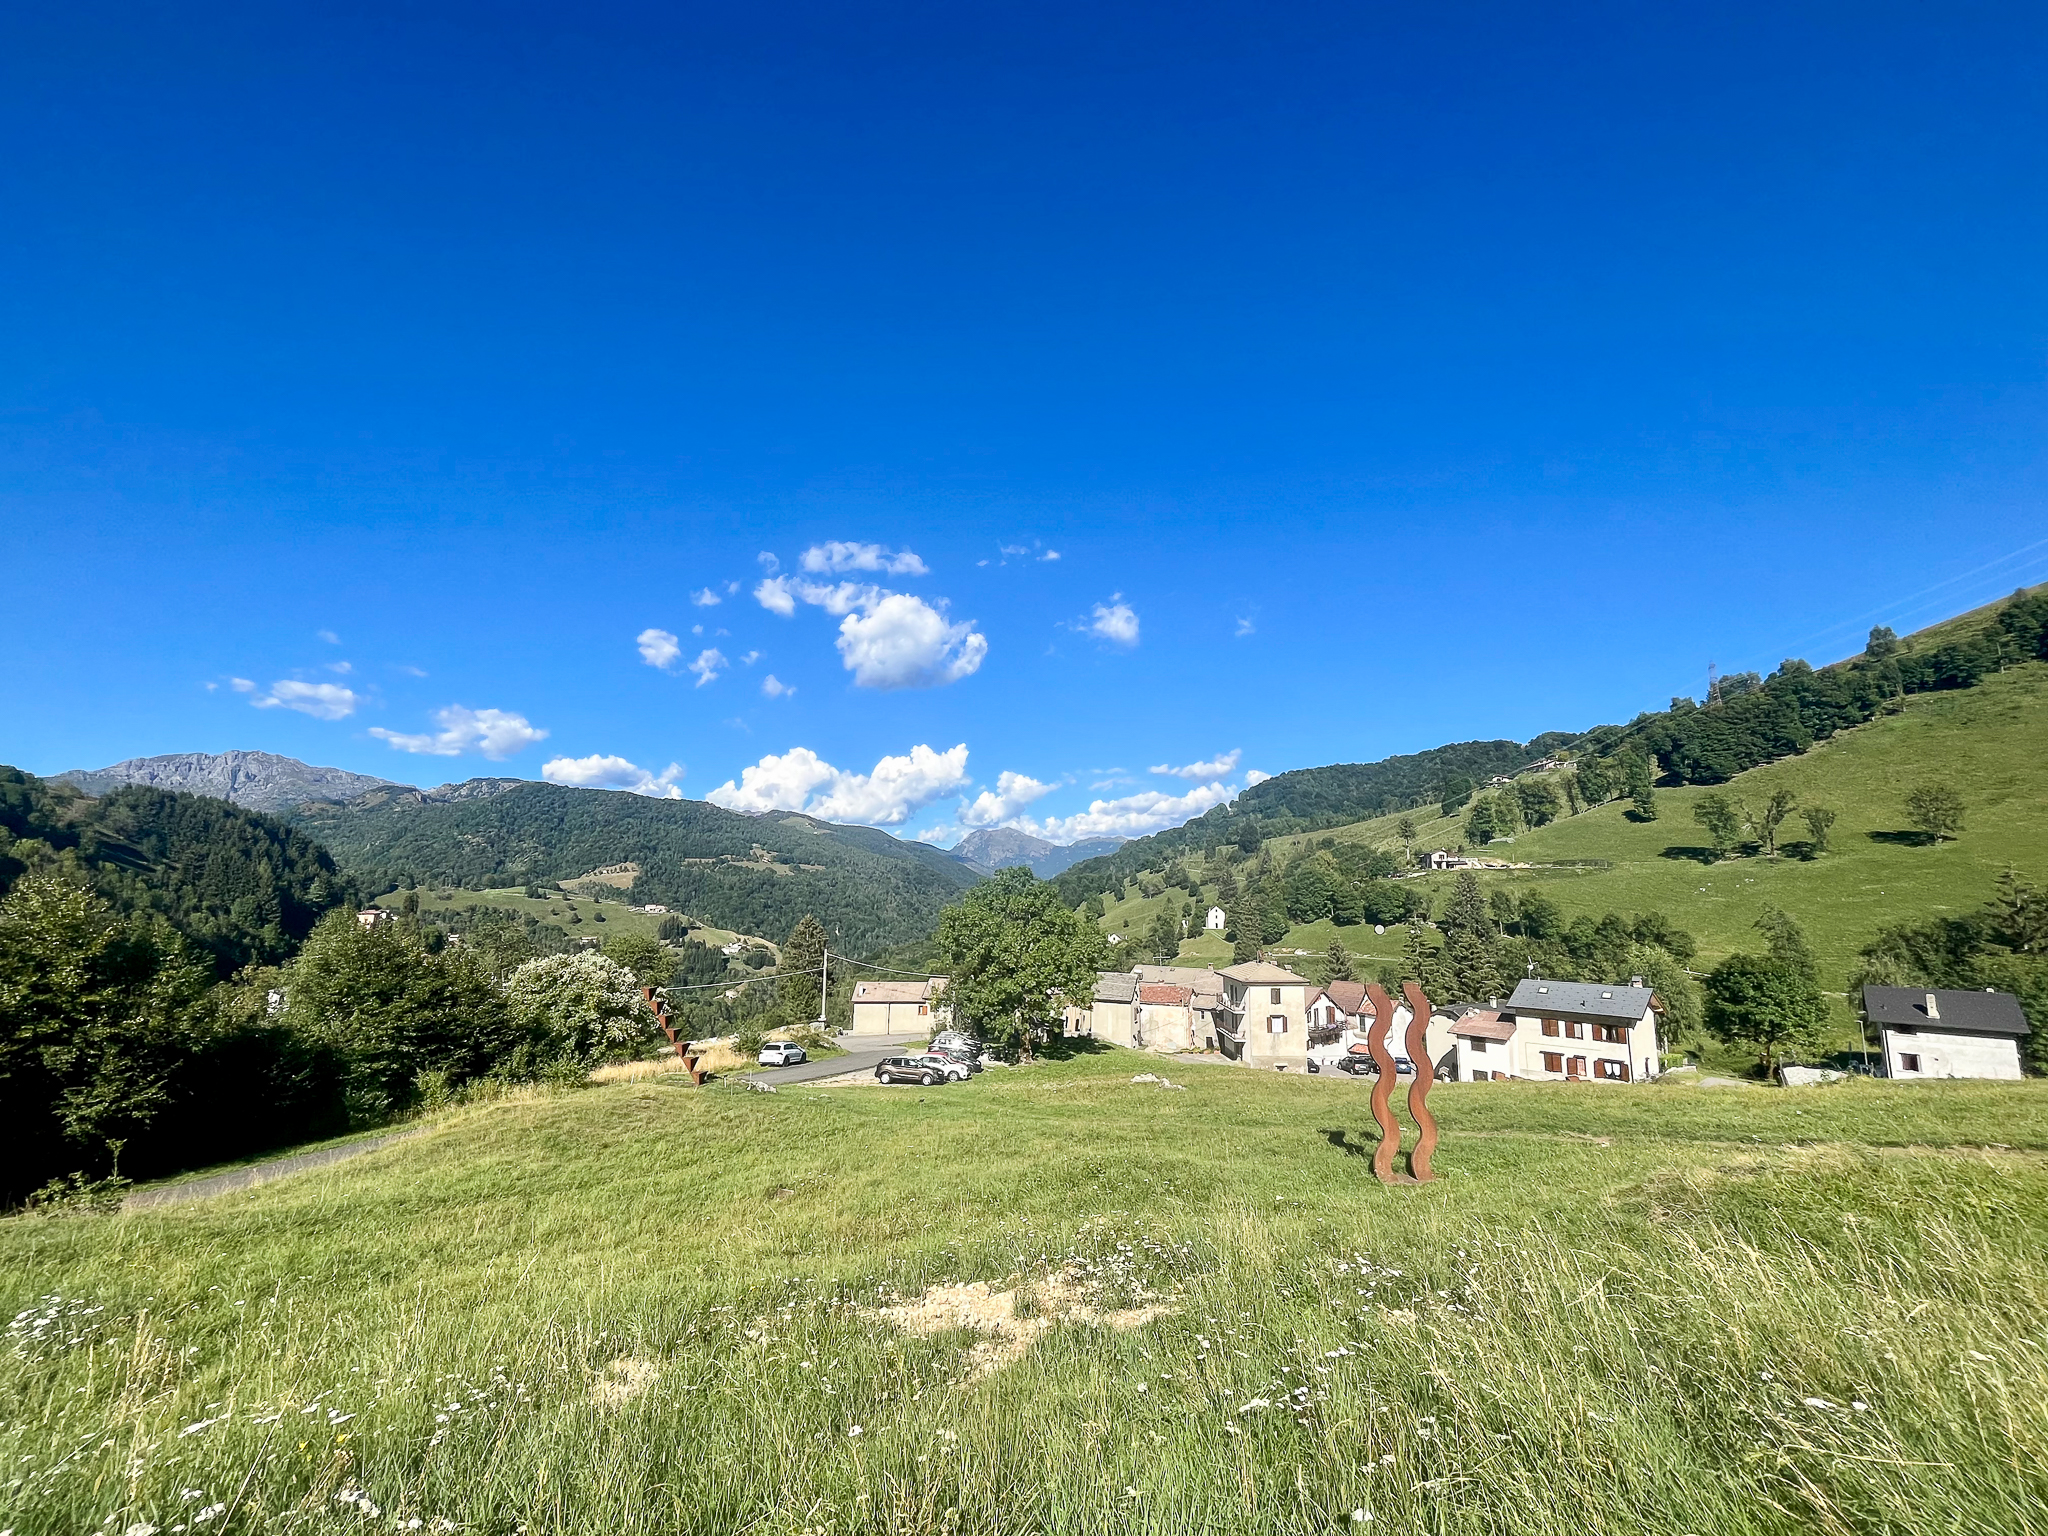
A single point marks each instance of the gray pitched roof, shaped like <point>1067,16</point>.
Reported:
<point>1580,999</point>
<point>1115,987</point>
<point>1259,973</point>
<point>1954,1012</point>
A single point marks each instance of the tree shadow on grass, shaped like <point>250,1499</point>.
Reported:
<point>1069,1047</point>
<point>1697,855</point>
<point>1904,839</point>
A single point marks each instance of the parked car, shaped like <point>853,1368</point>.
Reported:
<point>928,1068</point>
<point>968,1056</point>
<point>782,1053</point>
<point>1362,1066</point>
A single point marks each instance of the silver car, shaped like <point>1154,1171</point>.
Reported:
<point>782,1053</point>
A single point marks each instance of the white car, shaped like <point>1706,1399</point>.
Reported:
<point>782,1053</point>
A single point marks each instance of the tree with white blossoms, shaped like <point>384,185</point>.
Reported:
<point>581,1007</point>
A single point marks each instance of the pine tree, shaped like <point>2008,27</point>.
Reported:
<point>1466,912</point>
<point>1337,963</point>
<point>803,954</point>
<point>1641,782</point>
<point>1247,930</point>
<point>2019,914</point>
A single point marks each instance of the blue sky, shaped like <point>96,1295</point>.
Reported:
<point>1043,397</point>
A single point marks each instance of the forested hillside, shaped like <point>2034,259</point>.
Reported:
<point>751,874</point>
<point>242,886</point>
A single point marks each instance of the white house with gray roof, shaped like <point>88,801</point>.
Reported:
<point>1945,1032</point>
<point>1561,1031</point>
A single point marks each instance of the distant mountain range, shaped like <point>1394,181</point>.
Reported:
<point>996,848</point>
<point>256,781</point>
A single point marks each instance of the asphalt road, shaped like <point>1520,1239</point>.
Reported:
<point>860,1060</point>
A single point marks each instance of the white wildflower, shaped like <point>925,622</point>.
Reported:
<point>212,1511</point>
<point>855,1430</point>
<point>1257,1402</point>
<point>1817,1402</point>
<point>1360,1516</point>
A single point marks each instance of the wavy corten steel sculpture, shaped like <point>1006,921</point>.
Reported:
<point>1418,1091</point>
<point>1383,1087</point>
<point>686,1050</point>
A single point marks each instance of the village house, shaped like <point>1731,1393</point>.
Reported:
<point>1160,1024</point>
<point>1264,1018</point>
<point>1216,921</point>
<point>370,917</point>
<point>1561,1031</point>
<point>1112,1016</point>
<point>897,1007</point>
<point>1946,1032</point>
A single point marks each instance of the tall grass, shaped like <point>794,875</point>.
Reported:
<point>644,1308</point>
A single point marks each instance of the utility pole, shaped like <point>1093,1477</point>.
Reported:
<point>824,985</point>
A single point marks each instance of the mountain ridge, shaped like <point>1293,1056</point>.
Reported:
<point>994,848</point>
<point>256,781</point>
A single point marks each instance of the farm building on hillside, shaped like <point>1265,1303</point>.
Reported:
<point>1946,1033</point>
<point>1216,921</point>
<point>897,1007</point>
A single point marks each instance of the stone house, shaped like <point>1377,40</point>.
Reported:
<point>1946,1032</point>
<point>898,1007</point>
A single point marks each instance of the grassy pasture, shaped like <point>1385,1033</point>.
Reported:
<point>644,1308</point>
<point>555,912</point>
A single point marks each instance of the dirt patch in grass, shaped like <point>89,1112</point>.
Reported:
<point>623,1380</point>
<point>1011,1328</point>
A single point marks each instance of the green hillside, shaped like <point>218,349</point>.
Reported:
<point>243,887</point>
<point>644,1308</point>
<point>749,874</point>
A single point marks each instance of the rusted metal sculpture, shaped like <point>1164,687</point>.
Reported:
<point>1383,1086</point>
<point>1425,1075</point>
<point>686,1050</point>
<point>1383,1156</point>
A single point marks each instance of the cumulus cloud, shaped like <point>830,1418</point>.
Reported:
<point>323,701</point>
<point>706,598</point>
<point>708,665</point>
<point>886,639</point>
<point>750,658</point>
<point>496,733</point>
<point>241,685</point>
<point>1131,815</point>
<point>775,687</point>
<point>601,772</point>
<point>659,648</point>
<point>1114,621</point>
<point>1004,803</point>
<point>1254,776</point>
<point>906,643</point>
<point>341,668</point>
<point>1215,768</point>
<point>800,780</point>
<point>836,556</point>
<point>1246,627</point>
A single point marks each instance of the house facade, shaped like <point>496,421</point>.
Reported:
<point>1946,1032</point>
<point>1562,1031</point>
<point>1113,1015</point>
<point>897,1007</point>
<point>1216,921</point>
<point>1264,1018</point>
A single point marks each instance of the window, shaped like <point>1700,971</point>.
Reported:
<point>1574,1030</point>
<point>1613,1071</point>
<point>920,1010</point>
<point>1275,997</point>
<point>1909,1063</point>
<point>1613,1034</point>
<point>1553,1062</point>
<point>1576,1067</point>
<point>1550,1027</point>
<point>1479,1046</point>
<point>1277,1024</point>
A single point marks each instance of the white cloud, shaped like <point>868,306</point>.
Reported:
<point>323,701</point>
<point>1132,815</point>
<point>800,780</point>
<point>1254,776</point>
<point>1006,802</point>
<point>706,598</point>
<point>1215,768</point>
<point>1246,627</point>
<point>600,772</point>
<point>496,733</point>
<point>837,556</point>
<point>410,671</point>
<point>775,687</point>
<point>773,594</point>
<point>329,636</point>
<point>750,658</point>
<point>659,648</point>
<point>341,668</point>
<point>1050,554</point>
<point>906,643</point>
<point>1115,622</point>
<point>886,639</point>
<point>708,665</point>
<point>241,685</point>
<point>768,563</point>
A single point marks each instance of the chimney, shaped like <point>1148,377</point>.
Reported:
<point>1635,981</point>
<point>1933,1008</point>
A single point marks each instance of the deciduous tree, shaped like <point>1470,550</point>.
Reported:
<point>1766,1004</point>
<point>1016,956</point>
<point>1772,816</point>
<point>1819,819</point>
<point>1936,809</point>
<point>1722,818</point>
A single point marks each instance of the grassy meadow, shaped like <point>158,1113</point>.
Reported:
<point>599,919</point>
<point>644,1307</point>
